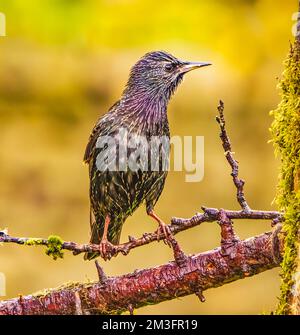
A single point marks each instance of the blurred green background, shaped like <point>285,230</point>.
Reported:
<point>65,62</point>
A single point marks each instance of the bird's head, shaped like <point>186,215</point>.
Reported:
<point>159,73</point>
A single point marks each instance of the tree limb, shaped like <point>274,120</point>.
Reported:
<point>113,295</point>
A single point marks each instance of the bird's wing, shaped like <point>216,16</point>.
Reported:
<point>100,127</point>
<point>91,143</point>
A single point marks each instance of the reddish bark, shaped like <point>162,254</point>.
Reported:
<point>232,261</point>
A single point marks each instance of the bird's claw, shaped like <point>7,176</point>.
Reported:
<point>147,237</point>
<point>166,231</point>
<point>106,249</point>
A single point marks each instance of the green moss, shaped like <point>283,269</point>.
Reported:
<point>42,293</point>
<point>54,247</point>
<point>286,137</point>
<point>66,286</point>
<point>34,241</point>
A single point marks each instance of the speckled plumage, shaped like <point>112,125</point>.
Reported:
<point>141,110</point>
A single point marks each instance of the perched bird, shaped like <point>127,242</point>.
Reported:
<point>141,110</point>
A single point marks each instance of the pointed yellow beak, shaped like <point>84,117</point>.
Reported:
<point>189,66</point>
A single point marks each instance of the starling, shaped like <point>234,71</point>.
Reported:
<point>142,110</point>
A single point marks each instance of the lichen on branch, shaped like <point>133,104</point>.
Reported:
<point>54,244</point>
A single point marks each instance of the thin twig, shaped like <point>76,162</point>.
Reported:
<point>177,225</point>
<point>239,183</point>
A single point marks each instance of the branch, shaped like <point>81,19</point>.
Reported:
<point>177,224</point>
<point>239,183</point>
<point>285,136</point>
<point>234,260</point>
<point>113,295</point>
<point>298,24</point>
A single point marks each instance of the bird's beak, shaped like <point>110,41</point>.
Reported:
<point>189,66</point>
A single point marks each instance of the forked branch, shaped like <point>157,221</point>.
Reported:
<point>234,259</point>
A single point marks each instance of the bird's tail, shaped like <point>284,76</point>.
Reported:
<point>113,236</point>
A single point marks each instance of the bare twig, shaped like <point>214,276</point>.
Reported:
<point>177,225</point>
<point>239,183</point>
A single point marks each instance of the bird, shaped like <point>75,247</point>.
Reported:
<point>142,110</point>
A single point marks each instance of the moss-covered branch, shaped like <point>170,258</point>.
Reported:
<point>286,136</point>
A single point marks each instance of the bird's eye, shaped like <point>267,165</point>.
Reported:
<point>169,67</point>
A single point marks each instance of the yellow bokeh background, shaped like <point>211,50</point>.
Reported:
<point>63,63</point>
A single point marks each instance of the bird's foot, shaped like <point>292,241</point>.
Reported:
<point>162,229</point>
<point>106,249</point>
<point>147,237</point>
<point>166,231</point>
